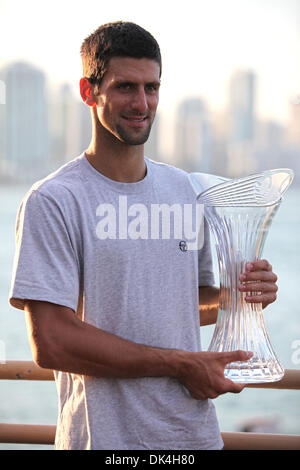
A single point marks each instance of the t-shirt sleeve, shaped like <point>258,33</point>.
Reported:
<point>45,266</point>
<point>205,263</point>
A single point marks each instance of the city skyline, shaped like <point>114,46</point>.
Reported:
<point>39,135</point>
<point>202,44</point>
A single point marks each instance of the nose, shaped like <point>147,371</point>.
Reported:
<point>140,103</point>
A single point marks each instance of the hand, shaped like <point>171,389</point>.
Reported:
<point>260,280</point>
<point>203,373</point>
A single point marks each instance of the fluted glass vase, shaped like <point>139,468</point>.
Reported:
<point>239,213</point>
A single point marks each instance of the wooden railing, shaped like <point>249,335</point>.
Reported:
<point>45,434</point>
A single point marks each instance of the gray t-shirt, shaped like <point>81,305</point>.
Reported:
<point>82,242</point>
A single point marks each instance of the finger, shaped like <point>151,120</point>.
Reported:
<point>266,276</point>
<point>235,387</point>
<point>212,393</point>
<point>264,299</point>
<point>235,356</point>
<point>259,265</point>
<point>258,287</point>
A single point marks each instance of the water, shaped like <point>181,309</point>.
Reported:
<point>36,402</point>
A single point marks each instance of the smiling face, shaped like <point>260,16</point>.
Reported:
<point>128,98</point>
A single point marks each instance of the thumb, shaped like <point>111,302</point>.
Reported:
<point>234,356</point>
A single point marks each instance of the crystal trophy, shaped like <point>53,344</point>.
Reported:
<point>239,213</point>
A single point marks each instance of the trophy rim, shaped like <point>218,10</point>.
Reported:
<point>254,206</point>
<point>287,181</point>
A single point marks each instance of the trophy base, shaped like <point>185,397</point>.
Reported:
<point>243,372</point>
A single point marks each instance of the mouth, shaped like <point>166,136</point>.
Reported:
<point>135,120</point>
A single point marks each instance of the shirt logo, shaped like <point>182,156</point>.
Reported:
<point>183,245</point>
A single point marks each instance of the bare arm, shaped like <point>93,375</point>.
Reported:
<point>208,305</point>
<point>60,341</point>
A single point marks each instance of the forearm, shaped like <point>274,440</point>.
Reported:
<point>208,305</point>
<point>102,354</point>
<point>77,347</point>
<point>60,341</point>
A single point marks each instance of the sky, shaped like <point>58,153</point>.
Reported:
<point>202,42</point>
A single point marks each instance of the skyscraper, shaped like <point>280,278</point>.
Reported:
<point>25,125</point>
<point>70,125</point>
<point>193,136</point>
<point>241,106</point>
<point>241,123</point>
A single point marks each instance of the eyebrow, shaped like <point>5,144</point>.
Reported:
<point>130,82</point>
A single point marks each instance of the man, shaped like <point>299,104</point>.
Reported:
<point>117,316</point>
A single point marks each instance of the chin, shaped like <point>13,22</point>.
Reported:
<point>134,140</point>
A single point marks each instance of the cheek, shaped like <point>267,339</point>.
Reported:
<point>110,107</point>
<point>153,102</point>
<point>103,110</point>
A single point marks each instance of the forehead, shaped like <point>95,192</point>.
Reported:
<point>132,69</point>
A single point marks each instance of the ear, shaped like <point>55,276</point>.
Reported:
<point>86,92</point>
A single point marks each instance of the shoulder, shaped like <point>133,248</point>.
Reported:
<point>64,181</point>
<point>170,176</point>
<point>67,176</point>
<point>165,170</point>
<point>57,191</point>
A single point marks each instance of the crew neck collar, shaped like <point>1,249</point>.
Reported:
<point>128,188</point>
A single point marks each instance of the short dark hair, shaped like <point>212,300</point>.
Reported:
<point>118,39</point>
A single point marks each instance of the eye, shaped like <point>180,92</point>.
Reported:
<point>152,87</point>
<point>125,86</point>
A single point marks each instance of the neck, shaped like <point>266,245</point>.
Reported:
<point>113,158</point>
